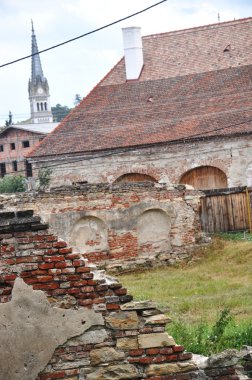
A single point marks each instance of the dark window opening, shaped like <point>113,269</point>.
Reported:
<point>26,144</point>
<point>2,169</point>
<point>28,169</point>
<point>1,148</point>
<point>41,106</point>
<point>45,105</point>
<point>37,106</point>
<point>13,146</point>
<point>14,166</point>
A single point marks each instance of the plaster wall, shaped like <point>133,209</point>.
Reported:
<point>165,163</point>
<point>123,225</point>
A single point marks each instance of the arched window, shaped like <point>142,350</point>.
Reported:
<point>37,106</point>
<point>41,106</point>
<point>205,177</point>
<point>135,177</point>
<point>45,106</point>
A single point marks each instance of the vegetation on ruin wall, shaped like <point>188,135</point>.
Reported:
<point>209,298</point>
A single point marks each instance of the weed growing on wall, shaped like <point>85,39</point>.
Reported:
<point>44,177</point>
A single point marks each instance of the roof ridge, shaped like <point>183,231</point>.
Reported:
<point>202,27</point>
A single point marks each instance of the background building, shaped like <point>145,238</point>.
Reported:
<point>176,109</point>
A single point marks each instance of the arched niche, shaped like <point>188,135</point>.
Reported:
<point>90,234</point>
<point>205,177</point>
<point>135,177</point>
<point>153,232</point>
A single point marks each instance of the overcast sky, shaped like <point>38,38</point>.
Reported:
<point>77,67</point>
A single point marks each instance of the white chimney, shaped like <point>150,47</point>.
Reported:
<point>133,52</point>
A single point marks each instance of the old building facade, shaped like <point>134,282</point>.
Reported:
<point>16,141</point>
<point>175,109</point>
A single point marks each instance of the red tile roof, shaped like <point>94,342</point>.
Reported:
<point>189,87</point>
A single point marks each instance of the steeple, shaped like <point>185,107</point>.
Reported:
<point>38,88</point>
<point>37,71</point>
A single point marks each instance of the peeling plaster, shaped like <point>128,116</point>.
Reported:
<point>31,330</point>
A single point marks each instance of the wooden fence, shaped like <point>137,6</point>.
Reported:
<point>226,209</point>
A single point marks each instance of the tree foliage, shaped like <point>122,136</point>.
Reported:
<point>77,99</point>
<point>12,184</point>
<point>59,112</point>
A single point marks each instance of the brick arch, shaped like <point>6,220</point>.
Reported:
<point>153,232</point>
<point>90,234</point>
<point>135,177</point>
<point>205,177</point>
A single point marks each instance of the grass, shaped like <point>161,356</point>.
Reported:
<point>206,339</point>
<point>196,293</point>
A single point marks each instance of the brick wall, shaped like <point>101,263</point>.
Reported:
<point>8,155</point>
<point>123,226</point>
<point>130,341</point>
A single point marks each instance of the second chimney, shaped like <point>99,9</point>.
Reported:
<point>133,52</point>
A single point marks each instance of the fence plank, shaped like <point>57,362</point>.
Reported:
<point>225,210</point>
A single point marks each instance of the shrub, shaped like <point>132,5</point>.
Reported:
<point>12,184</point>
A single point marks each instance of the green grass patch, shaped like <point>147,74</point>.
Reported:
<point>196,293</point>
<point>240,236</point>
<point>205,339</point>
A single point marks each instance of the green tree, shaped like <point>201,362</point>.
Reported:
<point>59,112</point>
<point>12,184</point>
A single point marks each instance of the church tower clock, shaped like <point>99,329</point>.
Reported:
<point>38,89</point>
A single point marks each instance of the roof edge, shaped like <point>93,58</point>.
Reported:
<point>202,27</point>
<point>5,129</point>
<point>123,149</point>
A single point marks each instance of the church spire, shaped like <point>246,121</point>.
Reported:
<point>37,72</point>
<point>38,88</point>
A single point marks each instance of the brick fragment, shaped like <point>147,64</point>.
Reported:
<point>60,244</point>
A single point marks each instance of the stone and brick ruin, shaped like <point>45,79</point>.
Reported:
<point>60,320</point>
<point>120,227</point>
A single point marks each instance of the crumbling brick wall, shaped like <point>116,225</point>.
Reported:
<point>107,335</point>
<point>130,344</point>
<point>122,226</point>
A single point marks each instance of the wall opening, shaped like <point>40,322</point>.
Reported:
<point>90,234</point>
<point>205,177</point>
<point>135,177</point>
<point>153,232</point>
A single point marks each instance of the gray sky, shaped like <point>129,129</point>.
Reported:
<point>77,67</point>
